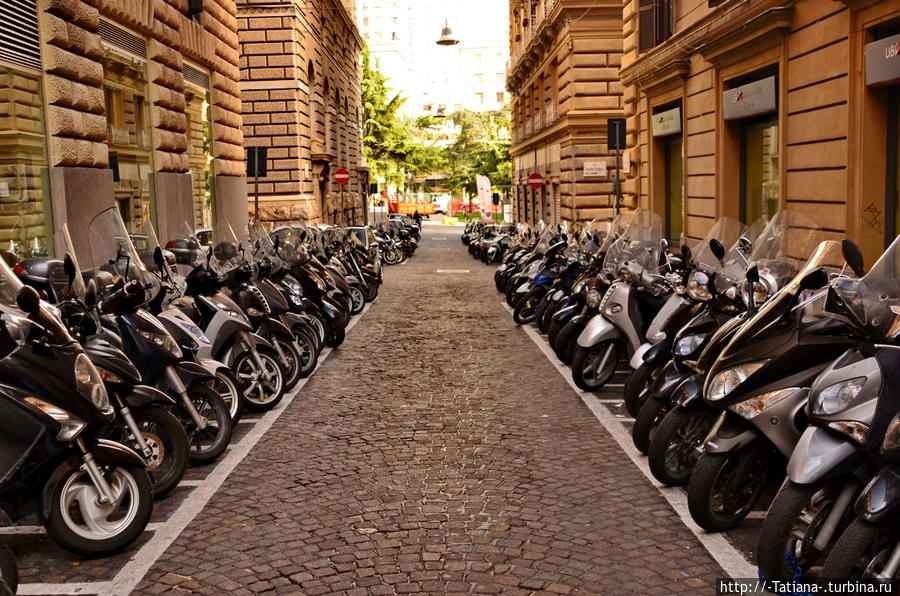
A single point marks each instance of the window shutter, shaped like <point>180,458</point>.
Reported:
<point>663,20</point>
<point>19,42</point>
<point>646,24</point>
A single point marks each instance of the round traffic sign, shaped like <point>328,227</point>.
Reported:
<point>341,176</point>
<point>535,180</point>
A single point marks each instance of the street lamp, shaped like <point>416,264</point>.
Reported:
<point>447,38</point>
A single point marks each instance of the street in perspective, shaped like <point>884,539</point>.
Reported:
<point>376,297</point>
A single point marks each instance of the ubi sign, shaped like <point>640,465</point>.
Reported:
<point>748,100</point>
<point>883,62</point>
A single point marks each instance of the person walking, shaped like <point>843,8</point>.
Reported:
<point>417,218</point>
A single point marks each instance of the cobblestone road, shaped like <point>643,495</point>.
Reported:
<point>437,451</point>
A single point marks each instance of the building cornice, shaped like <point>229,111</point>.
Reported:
<point>565,124</point>
<point>715,35</point>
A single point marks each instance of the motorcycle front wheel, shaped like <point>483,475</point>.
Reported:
<point>209,443</point>
<point>725,486</point>
<point>861,551</point>
<point>168,443</point>
<point>593,367</point>
<point>370,293</point>
<point>673,450</point>
<point>9,569</point>
<point>228,388</point>
<point>634,393</point>
<point>292,363</point>
<point>309,354</point>
<point>263,387</point>
<point>80,523</point>
<point>357,300</point>
<point>567,341</point>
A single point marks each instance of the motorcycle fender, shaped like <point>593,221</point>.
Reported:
<point>190,372</point>
<point>580,319</point>
<point>279,329</point>
<point>328,310</point>
<point>294,320</point>
<point>352,280</point>
<point>731,436</point>
<point>525,287</point>
<point>652,354</point>
<point>817,454</point>
<point>110,452</point>
<point>690,392</point>
<point>502,267</point>
<point>880,499</point>
<point>261,341</point>
<point>212,366</point>
<point>143,395</point>
<point>599,329</point>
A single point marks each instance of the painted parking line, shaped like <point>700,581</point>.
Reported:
<point>165,533</point>
<point>725,554</point>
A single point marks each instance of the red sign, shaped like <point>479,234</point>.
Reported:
<point>341,176</point>
<point>535,180</point>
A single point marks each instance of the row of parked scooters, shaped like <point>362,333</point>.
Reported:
<point>760,353</point>
<point>114,378</point>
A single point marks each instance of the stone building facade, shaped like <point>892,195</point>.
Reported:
<point>743,108</point>
<point>103,102</point>
<point>300,91</point>
<point>564,85</point>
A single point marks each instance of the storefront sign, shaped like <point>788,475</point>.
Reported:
<point>667,123</point>
<point>883,62</point>
<point>595,169</point>
<point>751,99</point>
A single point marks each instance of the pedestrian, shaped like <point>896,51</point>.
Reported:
<point>417,218</point>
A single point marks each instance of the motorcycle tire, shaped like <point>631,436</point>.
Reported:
<point>208,444</point>
<point>66,526</point>
<point>260,397</point>
<point>9,569</point>
<point>541,309</point>
<point>511,290</point>
<point>645,423</point>
<point>858,549</point>
<point>526,310</point>
<point>229,389</point>
<point>673,448</point>
<point>167,439</point>
<point>553,330</point>
<point>787,526</point>
<point>334,334</point>
<point>292,369</point>
<point>587,372</point>
<point>370,292</point>
<point>357,300</point>
<point>567,341</point>
<point>546,319</point>
<point>309,354</point>
<point>634,393</point>
<point>319,325</point>
<point>702,490</point>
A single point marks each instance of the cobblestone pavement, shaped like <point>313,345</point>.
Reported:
<point>437,451</point>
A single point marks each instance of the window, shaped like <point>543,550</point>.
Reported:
<point>654,23</point>
<point>480,97</point>
<point>501,97</point>
<point>759,168</point>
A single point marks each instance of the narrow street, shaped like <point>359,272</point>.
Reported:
<point>437,451</point>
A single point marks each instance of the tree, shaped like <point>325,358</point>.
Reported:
<point>482,147</point>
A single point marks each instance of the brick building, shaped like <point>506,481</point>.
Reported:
<point>301,99</point>
<point>742,108</point>
<point>564,85</point>
<point>103,102</point>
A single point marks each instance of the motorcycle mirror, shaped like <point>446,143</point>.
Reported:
<point>685,252</point>
<point>28,300</point>
<point>90,294</point>
<point>753,274</point>
<point>853,256</point>
<point>815,279</point>
<point>158,259</point>
<point>69,268</point>
<point>717,249</point>
<point>209,254</point>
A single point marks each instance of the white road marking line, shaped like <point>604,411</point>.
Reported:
<point>452,271</point>
<point>725,554</point>
<point>22,530</point>
<point>188,483</point>
<point>615,385</point>
<point>165,533</point>
<point>617,402</point>
<point>248,421</point>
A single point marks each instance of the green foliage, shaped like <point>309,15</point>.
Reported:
<point>482,147</point>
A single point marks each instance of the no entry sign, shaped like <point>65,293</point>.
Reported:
<point>341,176</point>
<point>535,180</point>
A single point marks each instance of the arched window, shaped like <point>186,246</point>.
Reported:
<point>310,73</point>
<point>326,88</point>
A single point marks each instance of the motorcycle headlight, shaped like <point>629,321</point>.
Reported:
<point>891,445</point>
<point>296,289</point>
<point>593,299</point>
<point>90,385</point>
<point>751,408</point>
<point>726,381</point>
<point>836,398</point>
<point>686,345</point>
<point>698,291</point>
<point>70,426</point>
<point>163,340</point>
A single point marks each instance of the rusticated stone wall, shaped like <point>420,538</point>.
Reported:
<point>76,122</point>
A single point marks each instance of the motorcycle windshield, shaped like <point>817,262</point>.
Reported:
<point>290,246</point>
<point>731,270</point>
<point>168,272</point>
<point>78,286</point>
<point>783,247</point>
<point>639,243</point>
<point>227,249</point>
<point>113,252</point>
<point>727,231</point>
<point>874,300</point>
<point>195,254</point>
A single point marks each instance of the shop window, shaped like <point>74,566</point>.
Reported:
<point>674,188</point>
<point>759,169</point>
<point>654,23</point>
<point>199,129</point>
<point>893,164</point>
<point>24,199</point>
